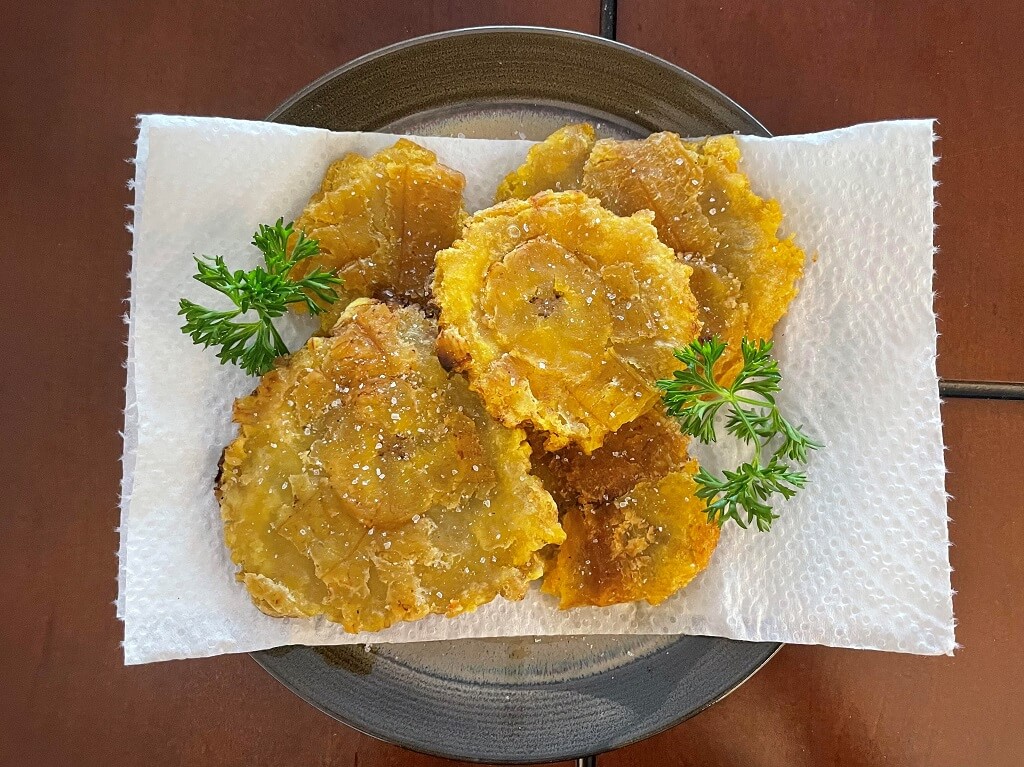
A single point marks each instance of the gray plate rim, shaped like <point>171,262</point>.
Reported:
<point>388,50</point>
<point>266,661</point>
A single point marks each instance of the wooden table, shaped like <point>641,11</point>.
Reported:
<point>75,73</point>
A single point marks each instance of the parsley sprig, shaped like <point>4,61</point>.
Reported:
<point>694,397</point>
<point>266,292</point>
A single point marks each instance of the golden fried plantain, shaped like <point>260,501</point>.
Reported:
<point>613,503</point>
<point>562,314</point>
<point>379,221</point>
<point>646,544</point>
<point>747,244</point>
<point>659,174</point>
<point>662,175</point>
<point>744,276</point>
<point>369,486</point>
<point>645,449</point>
<point>555,164</point>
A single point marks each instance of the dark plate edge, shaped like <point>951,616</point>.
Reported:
<point>500,29</point>
<point>604,747</point>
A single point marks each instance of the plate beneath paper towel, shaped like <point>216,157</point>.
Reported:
<point>516,700</point>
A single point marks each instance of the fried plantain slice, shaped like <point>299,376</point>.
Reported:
<point>613,503</point>
<point>645,449</point>
<point>379,221</point>
<point>659,174</point>
<point>747,244</point>
<point>369,486</point>
<point>562,314</point>
<point>645,544</point>
<point>663,175</point>
<point>555,164</point>
<point>744,275</point>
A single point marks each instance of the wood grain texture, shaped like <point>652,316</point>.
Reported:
<point>820,64</point>
<point>74,76</point>
<point>814,706</point>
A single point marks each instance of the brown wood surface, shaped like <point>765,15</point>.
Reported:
<point>74,74</point>
<point>811,65</point>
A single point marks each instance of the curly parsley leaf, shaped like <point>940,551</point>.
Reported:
<point>266,292</point>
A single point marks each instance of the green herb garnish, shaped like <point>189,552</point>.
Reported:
<point>266,292</point>
<point>694,398</point>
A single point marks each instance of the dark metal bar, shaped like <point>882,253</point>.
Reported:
<point>981,390</point>
<point>586,761</point>
<point>608,21</point>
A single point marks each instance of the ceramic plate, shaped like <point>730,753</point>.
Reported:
<point>516,700</point>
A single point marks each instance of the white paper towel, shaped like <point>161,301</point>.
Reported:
<point>858,559</point>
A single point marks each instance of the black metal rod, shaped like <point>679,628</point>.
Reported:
<point>608,22</point>
<point>586,761</point>
<point>981,390</point>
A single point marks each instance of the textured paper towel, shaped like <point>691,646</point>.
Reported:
<point>858,559</point>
